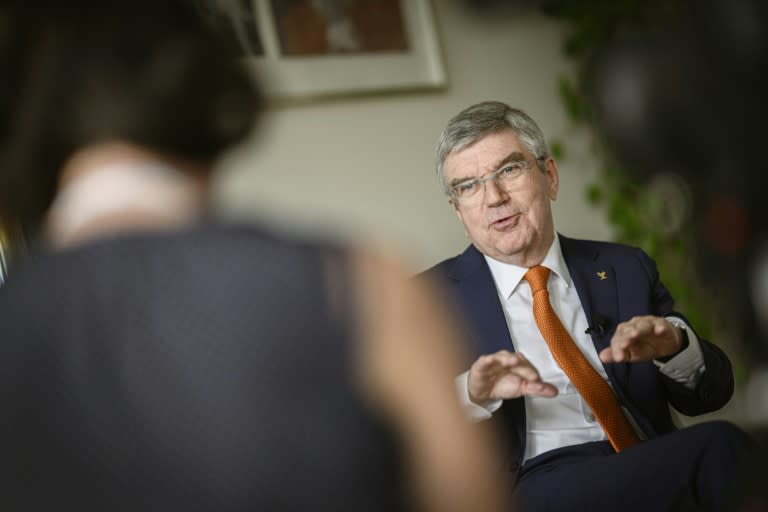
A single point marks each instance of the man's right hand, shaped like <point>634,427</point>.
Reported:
<point>505,375</point>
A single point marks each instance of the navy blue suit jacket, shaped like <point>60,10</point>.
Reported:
<point>630,287</point>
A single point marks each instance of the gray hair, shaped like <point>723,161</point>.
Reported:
<point>473,123</point>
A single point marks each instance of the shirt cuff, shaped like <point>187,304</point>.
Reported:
<point>472,410</point>
<point>687,366</point>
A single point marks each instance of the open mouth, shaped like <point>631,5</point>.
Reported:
<point>506,222</point>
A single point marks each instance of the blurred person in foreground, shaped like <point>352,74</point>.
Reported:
<point>580,352</point>
<point>154,359</point>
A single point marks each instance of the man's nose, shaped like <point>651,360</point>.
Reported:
<point>494,194</point>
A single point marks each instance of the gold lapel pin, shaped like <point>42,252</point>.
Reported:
<point>602,275</point>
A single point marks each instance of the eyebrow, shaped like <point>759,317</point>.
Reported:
<point>515,156</point>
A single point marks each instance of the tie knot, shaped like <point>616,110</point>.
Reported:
<point>537,277</point>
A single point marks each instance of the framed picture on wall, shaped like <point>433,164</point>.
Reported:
<point>309,48</point>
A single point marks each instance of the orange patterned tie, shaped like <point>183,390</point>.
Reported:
<point>590,384</point>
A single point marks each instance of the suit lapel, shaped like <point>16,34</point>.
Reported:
<point>595,282</point>
<point>480,300</point>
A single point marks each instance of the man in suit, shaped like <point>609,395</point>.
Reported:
<point>610,316</point>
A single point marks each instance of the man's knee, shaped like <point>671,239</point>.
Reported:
<point>721,435</point>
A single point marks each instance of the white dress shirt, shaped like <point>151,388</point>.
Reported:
<point>565,419</point>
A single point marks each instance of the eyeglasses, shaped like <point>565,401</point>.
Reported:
<point>509,178</point>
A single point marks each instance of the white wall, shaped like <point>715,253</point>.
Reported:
<point>363,166</point>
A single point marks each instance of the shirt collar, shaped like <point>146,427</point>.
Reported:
<point>508,276</point>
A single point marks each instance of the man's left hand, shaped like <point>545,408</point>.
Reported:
<point>641,339</point>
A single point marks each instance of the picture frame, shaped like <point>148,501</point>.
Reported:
<point>301,49</point>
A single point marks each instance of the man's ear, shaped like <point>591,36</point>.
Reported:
<point>456,210</point>
<point>458,213</point>
<point>550,169</point>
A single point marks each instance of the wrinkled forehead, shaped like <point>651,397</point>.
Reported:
<point>485,155</point>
